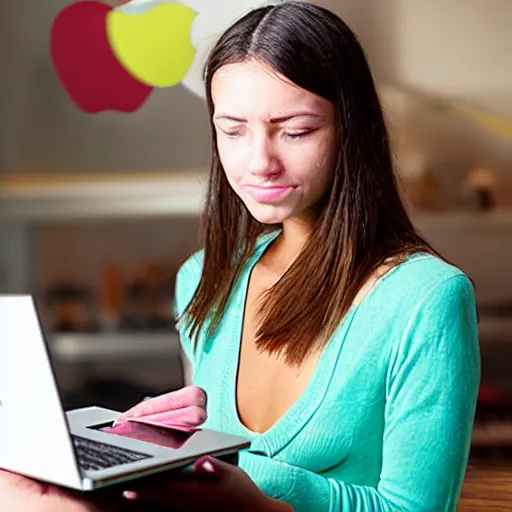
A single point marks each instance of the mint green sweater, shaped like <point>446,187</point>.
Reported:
<point>385,423</point>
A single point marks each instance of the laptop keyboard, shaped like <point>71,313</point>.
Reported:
<point>93,455</point>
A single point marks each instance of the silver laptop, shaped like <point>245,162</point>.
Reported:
<point>38,439</point>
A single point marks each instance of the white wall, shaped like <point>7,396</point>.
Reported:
<point>458,48</point>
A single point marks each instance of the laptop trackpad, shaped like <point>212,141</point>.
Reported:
<point>151,434</point>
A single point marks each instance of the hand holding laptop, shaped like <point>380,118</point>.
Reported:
<point>212,484</point>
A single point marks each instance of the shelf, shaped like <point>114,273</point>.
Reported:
<point>39,198</point>
<point>80,348</point>
<point>118,346</point>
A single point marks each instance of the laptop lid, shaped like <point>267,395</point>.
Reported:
<point>34,434</point>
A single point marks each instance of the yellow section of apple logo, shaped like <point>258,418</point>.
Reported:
<point>154,46</point>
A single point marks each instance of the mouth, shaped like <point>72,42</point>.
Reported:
<point>266,194</point>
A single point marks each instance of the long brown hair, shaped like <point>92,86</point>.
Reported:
<point>362,221</point>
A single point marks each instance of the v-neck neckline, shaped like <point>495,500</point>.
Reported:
<point>300,411</point>
<point>280,434</point>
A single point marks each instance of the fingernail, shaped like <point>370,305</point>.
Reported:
<point>207,466</point>
<point>130,495</point>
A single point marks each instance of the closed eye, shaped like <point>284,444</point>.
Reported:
<point>232,134</point>
<point>298,135</point>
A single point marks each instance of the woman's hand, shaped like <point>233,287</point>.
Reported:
<point>212,485</point>
<point>187,407</point>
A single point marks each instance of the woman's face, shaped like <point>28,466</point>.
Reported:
<point>276,141</point>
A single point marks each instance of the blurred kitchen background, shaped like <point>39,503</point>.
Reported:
<point>97,212</point>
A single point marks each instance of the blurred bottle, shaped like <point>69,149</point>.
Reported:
<point>110,297</point>
<point>70,308</point>
<point>147,303</point>
<point>480,187</point>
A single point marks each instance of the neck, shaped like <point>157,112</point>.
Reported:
<point>294,236</point>
<point>287,246</point>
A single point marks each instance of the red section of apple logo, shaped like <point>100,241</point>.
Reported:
<point>85,64</point>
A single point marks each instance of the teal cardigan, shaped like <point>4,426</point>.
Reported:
<point>385,422</point>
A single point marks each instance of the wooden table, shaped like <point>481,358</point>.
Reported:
<point>487,487</point>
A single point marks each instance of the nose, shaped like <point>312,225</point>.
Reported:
<point>263,162</point>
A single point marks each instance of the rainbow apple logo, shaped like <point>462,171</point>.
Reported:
<point>108,59</point>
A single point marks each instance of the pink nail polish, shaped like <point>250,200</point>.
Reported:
<point>130,495</point>
<point>208,467</point>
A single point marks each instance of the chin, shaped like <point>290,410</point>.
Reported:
<point>266,214</point>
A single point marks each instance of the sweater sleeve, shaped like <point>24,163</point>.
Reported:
<point>432,387</point>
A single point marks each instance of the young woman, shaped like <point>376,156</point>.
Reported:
<point>318,322</point>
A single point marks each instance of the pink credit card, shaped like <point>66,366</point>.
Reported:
<point>170,438</point>
<point>163,420</point>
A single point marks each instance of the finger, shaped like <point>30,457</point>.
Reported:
<point>212,467</point>
<point>184,490</point>
<point>189,416</point>
<point>185,397</point>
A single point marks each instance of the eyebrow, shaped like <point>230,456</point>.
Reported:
<point>273,120</point>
